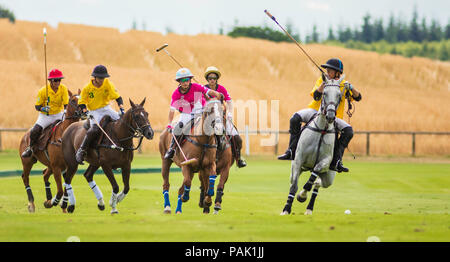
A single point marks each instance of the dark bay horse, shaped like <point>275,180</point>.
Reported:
<point>51,155</point>
<point>134,123</point>
<point>199,145</point>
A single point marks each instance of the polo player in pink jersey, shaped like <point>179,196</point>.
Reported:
<point>212,75</point>
<point>188,99</point>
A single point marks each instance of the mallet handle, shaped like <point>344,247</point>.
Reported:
<point>295,41</point>
<point>45,61</point>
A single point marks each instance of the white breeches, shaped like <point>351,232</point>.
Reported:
<point>46,120</point>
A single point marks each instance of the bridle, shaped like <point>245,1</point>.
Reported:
<point>77,114</point>
<point>136,132</point>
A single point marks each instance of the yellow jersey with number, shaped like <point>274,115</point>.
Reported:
<point>98,97</point>
<point>56,101</point>
<point>316,104</point>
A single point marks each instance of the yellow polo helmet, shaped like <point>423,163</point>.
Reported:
<point>212,69</point>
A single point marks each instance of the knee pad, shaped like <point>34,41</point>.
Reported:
<point>346,135</point>
<point>295,124</point>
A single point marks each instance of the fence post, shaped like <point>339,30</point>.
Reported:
<point>413,144</point>
<point>276,142</point>
<point>247,142</point>
<point>367,143</point>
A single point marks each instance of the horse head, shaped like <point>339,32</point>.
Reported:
<point>137,119</point>
<point>72,110</point>
<point>213,118</point>
<point>331,98</point>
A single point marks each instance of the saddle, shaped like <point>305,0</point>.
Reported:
<point>46,134</point>
<point>104,125</point>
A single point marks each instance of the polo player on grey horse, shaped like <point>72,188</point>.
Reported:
<point>334,69</point>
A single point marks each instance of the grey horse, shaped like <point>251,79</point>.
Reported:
<point>315,148</point>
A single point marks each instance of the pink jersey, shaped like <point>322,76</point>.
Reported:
<point>222,90</point>
<point>184,103</point>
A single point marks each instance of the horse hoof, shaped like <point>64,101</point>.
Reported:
<point>48,204</point>
<point>308,212</point>
<point>101,207</point>
<point>71,208</point>
<point>31,207</point>
<point>302,197</point>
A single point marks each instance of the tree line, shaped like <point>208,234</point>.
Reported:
<point>416,37</point>
<point>6,13</point>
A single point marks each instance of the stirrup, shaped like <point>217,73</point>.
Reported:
<point>241,163</point>
<point>286,156</point>
<point>340,168</point>
<point>81,153</point>
<point>169,154</point>
<point>28,152</point>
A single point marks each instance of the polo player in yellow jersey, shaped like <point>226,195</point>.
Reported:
<point>334,69</point>
<point>57,97</point>
<point>95,97</point>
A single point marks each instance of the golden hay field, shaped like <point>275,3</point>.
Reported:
<point>399,94</point>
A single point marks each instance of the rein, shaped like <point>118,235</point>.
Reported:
<point>135,133</point>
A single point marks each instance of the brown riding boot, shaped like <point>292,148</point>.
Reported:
<point>172,148</point>
<point>91,134</point>
<point>237,145</point>
<point>34,135</point>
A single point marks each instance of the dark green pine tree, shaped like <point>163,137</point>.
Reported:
<point>435,32</point>
<point>367,30</point>
<point>414,31</point>
<point>378,33</point>
<point>391,30</point>
<point>331,36</point>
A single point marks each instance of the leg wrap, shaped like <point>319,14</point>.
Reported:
<point>219,195</point>
<point>313,199</point>
<point>96,190</point>
<point>179,203</point>
<point>186,193</point>
<point>48,191</point>
<point>212,180</point>
<point>310,182</point>
<point>30,194</point>
<point>70,193</point>
<point>166,198</point>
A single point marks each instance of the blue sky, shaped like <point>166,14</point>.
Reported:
<point>207,16</point>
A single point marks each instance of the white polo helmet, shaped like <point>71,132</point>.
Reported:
<point>212,69</point>
<point>183,73</point>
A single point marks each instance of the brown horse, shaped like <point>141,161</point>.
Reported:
<point>201,146</point>
<point>50,155</point>
<point>224,161</point>
<point>134,123</point>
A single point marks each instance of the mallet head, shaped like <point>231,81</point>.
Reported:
<point>162,47</point>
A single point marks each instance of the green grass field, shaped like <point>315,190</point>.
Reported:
<point>394,201</point>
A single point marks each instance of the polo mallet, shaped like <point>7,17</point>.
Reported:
<point>173,58</point>
<point>186,161</point>
<point>295,41</point>
<point>45,61</point>
<point>114,146</point>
